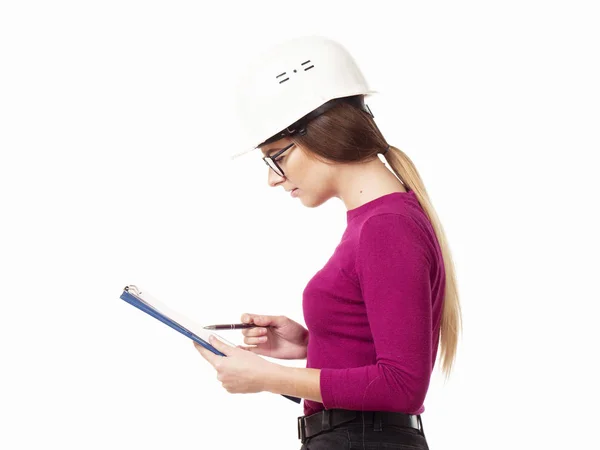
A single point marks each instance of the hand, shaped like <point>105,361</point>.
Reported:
<point>240,372</point>
<point>284,339</point>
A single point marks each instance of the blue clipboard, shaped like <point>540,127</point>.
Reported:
<point>132,295</point>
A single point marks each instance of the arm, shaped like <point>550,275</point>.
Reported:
<point>392,267</point>
<point>298,382</point>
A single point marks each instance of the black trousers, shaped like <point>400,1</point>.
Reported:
<point>356,436</point>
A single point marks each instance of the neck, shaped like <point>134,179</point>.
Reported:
<point>359,183</point>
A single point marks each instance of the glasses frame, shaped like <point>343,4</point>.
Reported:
<point>273,163</point>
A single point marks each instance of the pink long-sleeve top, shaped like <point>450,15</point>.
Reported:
<point>373,311</point>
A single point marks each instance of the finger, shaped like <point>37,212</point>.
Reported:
<point>247,317</point>
<point>250,318</point>
<point>220,345</point>
<point>255,340</point>
<point>258,331</point>
<point>207,354</point>
<point>259,320</point>
<point>262,320</point>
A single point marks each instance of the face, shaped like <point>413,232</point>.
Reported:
<point>312,179</point>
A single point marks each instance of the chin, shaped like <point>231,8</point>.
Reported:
<point>312,202</point>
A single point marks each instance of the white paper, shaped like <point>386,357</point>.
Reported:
<point>178,317</point>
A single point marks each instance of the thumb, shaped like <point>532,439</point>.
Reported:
<point>261,320</point>
<point>220,345</point>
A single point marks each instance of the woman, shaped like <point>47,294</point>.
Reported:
<point>377,310</point>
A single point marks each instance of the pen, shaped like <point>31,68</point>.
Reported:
<point>232,326</point>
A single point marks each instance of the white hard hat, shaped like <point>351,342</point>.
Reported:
<point>290,81</point>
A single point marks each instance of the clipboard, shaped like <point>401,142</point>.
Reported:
<point>151,306</point>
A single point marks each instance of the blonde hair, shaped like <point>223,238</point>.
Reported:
<point>451,323</point>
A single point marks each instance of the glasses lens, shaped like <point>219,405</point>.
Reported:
<point>273,166</point>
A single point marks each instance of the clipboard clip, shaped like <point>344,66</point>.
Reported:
<point>133,288</point>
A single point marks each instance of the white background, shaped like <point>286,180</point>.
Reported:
<point>116,126</point>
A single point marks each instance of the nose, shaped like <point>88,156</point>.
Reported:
<point>274,179</point>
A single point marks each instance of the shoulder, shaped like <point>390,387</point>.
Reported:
<point>392,234</point>
<point>395,223</point>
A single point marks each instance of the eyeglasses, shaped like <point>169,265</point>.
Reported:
<point>271,160</point>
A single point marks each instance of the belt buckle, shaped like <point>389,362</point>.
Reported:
<point>414,421</point>
<point>301,429</point>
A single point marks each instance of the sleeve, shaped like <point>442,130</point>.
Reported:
<point>393,269</point>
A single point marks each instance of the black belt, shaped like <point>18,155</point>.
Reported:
<point>328,419</point>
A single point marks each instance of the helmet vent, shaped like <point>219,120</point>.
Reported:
<point>280,75</point>
<point>307,68</point>
<point>284,74</point>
